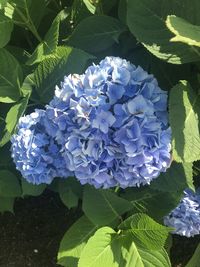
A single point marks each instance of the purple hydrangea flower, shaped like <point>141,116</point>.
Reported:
<point>36,154</point>
<point>185,218</point>
<point>112,123</point>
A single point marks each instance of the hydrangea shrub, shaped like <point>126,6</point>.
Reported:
<point>81,115</point>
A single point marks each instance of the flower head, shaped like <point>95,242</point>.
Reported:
<point>185,218</point>
<point>37,154</point>
<point>112,124</point>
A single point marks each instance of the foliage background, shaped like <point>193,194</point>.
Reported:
<point>43,40</point>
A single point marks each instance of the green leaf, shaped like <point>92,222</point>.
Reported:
<point>51,71</point>
<point>106,208</point>
<point>184,31</point>
<point>100,6</point>
<point>12,117</point>
<point>184,111</point>
<point>11,77</point>
<point>49,44</point>
<point>194,261</point>
<point>96,33</point>
<point>132,256</point>
<point>107,248</point>
<point>6,204</point>
<point>90,6</point>
<point>152,258</point>
<point>70,190</point>
<point>68,197</point>
<point>155,203</point>
<point>98,251</point>
<point>26,13</point>
<point>28,85</point>
<point>6,27</point>
<point>9,184</point>
<point>122,10</point>
<point>3,3</point>
<point>145,232</point>
<point>74,241</point>
<point>176,178</point>
<point>146,20</point>
<point>29,189</point>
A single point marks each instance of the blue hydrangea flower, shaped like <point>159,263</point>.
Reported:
<point>185,218</point>
<point>112,123</point>
<point>36,154</point>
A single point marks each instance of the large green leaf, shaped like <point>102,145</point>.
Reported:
<point>74,241</point>
<point>26,13</point>
<point>194,261</point>
<point>184,31</point>
<point>155,203</point>
<point>12,117</point>
<point>133,256</point>
<point>145,232</point>
<point>29,189</point>
<point>49,44</point>
<point>107,248</point>
<point>99,249</point>
<point>51,71</point>
<point>176,178</point>
<point>152,258</point>
<point>106,208</point>
<point>96,33</point>
<point>146,20</point>
<point>10,77</point>
<point>184,112</point>
<point>9,184</point>
<point>6,27</point>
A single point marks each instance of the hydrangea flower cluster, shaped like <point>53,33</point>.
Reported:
<point>35,153</point>
<point>108,126</point>
<point>112,125</point>
<point>185,218</point>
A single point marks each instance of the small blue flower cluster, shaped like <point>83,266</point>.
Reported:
<point>109,124</point>
<point>35,153</point>
<point>185,218</point>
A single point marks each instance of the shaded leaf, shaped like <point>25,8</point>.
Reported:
<point>106,208</point>
<point>29,189</point>
<point>48,45</point>
<point>9,184</point>
<point>74,241</point>
<point>51,71</point>
<point>96,33</point>
<point>155,203</point>
<point>176,178</point>
<point>12,117</point>
<point>6,27</point>
<point>194,261</point>
<point>10,77</point>
<point>146,20</point>
<point>184,111</point>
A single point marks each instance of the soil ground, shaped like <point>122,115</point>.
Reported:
<point>30,237</point>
